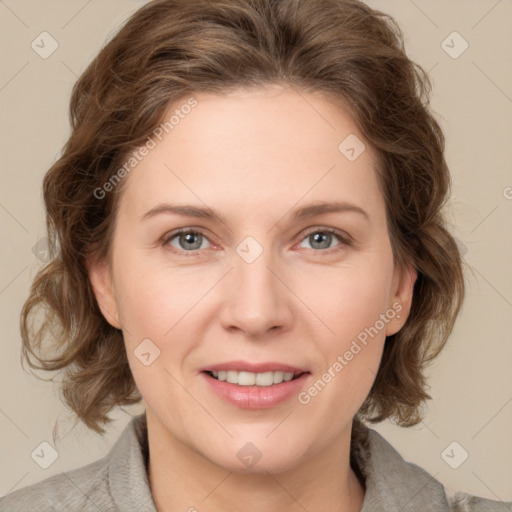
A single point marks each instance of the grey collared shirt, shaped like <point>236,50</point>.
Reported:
<point>118,482</point>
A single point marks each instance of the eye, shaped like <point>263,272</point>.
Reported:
<point>187,240</point>
<point>321,238</point>
<point>190,241</point>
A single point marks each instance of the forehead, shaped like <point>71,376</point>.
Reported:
<point>254,149</point>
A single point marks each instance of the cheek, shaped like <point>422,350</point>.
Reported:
<point>350,302</point>
<point>150,300</point>
<point>154,312</point>
<point>159,312</point>
<point>352,346</point>
<point>347,299</point>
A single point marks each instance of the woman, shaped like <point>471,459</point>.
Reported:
<point>246,232</point>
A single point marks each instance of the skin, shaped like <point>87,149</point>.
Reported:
<point>253,156</point>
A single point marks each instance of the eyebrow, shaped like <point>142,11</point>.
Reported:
<point>311,210</point>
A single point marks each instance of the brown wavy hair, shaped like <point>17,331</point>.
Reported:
<point>170,49</point>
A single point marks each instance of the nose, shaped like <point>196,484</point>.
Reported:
<point>256,298</point>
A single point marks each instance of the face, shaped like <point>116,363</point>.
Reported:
<point>257,287</point>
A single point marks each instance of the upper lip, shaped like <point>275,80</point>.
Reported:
<point>244,366</point>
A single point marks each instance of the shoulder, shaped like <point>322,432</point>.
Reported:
<point>392,483</point>
<point>465,502</point>
<point>118,481</point>
<point>84,488</point>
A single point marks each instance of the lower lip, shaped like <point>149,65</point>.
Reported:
<point>255,397</point>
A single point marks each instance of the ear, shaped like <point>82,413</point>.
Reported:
<point>103,288</point>
<point>401,300</point>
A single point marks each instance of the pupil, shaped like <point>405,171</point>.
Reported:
<point>189,238</point>
<point>320,235</point>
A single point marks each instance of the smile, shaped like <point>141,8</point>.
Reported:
<point>250,390</point>
<point>244,378</point>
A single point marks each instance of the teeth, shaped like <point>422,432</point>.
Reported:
<point>250,379</point>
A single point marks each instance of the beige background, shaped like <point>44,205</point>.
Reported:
<point>471,382</point>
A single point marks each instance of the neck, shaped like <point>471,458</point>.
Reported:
<point>181,479</point>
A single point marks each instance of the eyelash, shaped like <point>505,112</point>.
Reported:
<point>345,241</point>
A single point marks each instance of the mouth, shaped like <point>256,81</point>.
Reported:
<point>251,385</point>
<point>263,379</point>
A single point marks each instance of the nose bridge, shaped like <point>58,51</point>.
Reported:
<point>257,299</point>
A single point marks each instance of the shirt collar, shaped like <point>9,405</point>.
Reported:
<point>128,468</point>
<point>391,482</point>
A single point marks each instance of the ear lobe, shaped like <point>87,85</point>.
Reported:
<point>402,298</point>
<point>103,288</point>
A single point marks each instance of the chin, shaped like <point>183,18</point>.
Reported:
<point>262,466</point>
<point>258,456</point>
